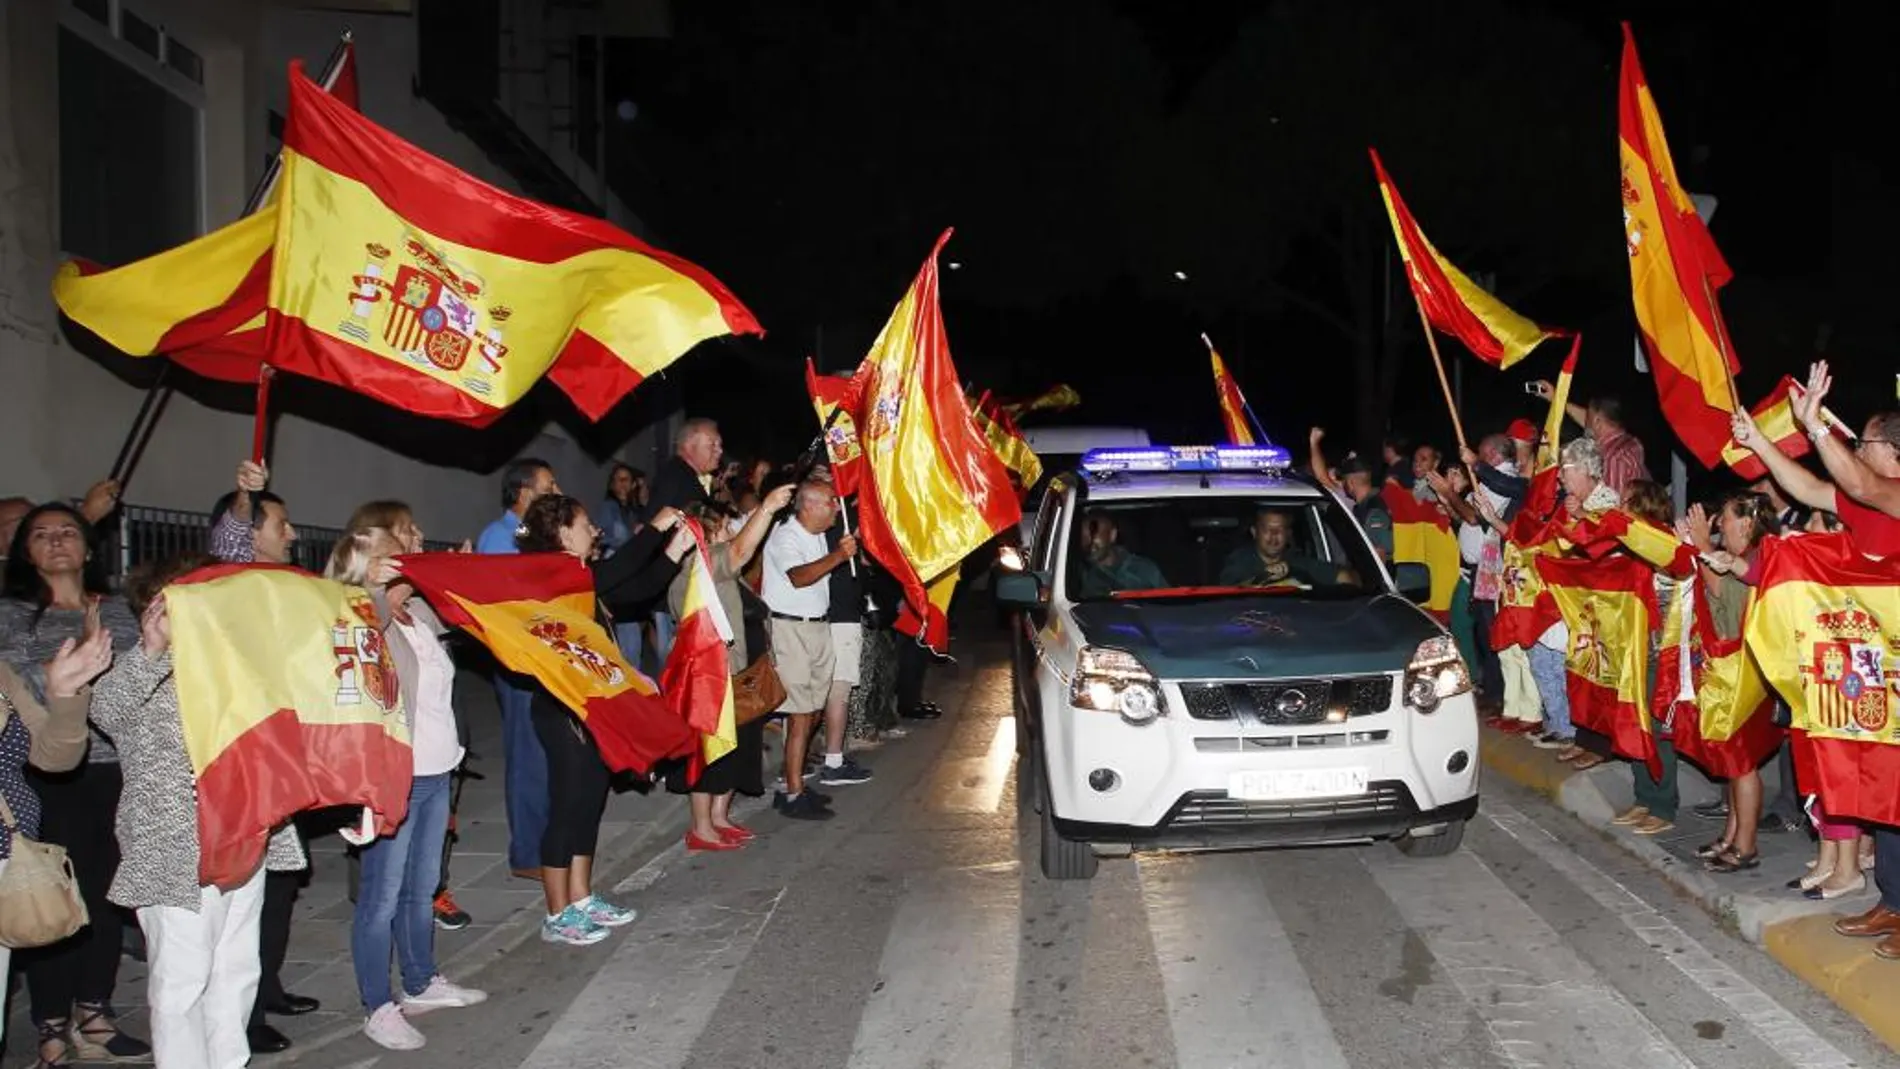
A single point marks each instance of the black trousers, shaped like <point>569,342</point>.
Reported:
<point>912,662</point>
<point>1490,673</point>
<point>577,784</point>
<point>79,809</point>
<point>273,939</point>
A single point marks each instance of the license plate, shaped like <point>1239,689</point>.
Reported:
<point>1297,783</point>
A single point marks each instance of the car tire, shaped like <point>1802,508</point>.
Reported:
<point>1062,859</point>
<point>1443,844</point>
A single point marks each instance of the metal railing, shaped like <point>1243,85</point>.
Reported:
<point>139,533</point>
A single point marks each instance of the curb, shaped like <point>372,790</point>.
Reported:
<point>1797,936</point>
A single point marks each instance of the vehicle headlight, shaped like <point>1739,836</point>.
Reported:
<point>1010,559</point>
<point>1437,672</point>
<point>1115,681</point>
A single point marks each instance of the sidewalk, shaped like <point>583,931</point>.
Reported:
<point>1794,930</point>
<point>506,910</point>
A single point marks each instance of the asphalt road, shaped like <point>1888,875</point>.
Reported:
<point>915,930</point>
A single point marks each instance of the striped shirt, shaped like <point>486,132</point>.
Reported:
<point>1622,459</point>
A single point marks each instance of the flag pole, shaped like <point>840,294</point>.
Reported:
<point>260,427</point>
<point>141,430</point>
<point>1431,340</point>
<point>1721,341</point>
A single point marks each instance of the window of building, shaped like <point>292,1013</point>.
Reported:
<point>130,146</point>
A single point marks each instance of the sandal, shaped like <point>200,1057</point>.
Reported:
<point>96,1037</point>
<point>1710,851</point>
<point>1585,761</point>
<point>1730,861</point>
<point>53,1034</point>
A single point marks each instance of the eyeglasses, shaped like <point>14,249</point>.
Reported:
<point>1865,442</point>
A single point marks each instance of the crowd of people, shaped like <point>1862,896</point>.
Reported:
<point>93,756</point>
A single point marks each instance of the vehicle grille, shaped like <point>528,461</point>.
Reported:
<point>1278,703</point>
<point>1215,809</point>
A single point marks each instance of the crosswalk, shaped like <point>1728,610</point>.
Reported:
<point>1513,953</point>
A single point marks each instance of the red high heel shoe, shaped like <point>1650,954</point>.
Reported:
<point>733,833</point>
<point>695,844</point>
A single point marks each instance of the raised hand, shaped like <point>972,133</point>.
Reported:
<point>78,663</point>
<point>1316,436</point>
<point>1741,427</point>
<point>1699,528</point>
<point>155,628</point>
<point>100,500</point>
<point>252,476</point>
<point>1808,400</point>
<point>778,499</point>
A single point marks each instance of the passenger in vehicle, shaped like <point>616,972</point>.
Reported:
<point>1107,566</point>
<point>1266,560</point>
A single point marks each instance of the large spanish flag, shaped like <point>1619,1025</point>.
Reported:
<point>1675,270</point>
<point>1010,446</point>
<point>1525,608</point>
<point>289,703</point>
<point>1718,702</point>
<point>403,278</point>
<point>1422,535</point>
<point>1609,606</point>
<point>935,491</point>
<point>1823,627</point>
<point>697,680</point>
<point>843,452</point>
<point>535,613</point>
<point>1451,301</point>
<point>1615,530</point>
<point>1235,417</point>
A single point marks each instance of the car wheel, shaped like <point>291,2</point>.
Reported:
<point>1062,859</point>
<point>1440,845</point>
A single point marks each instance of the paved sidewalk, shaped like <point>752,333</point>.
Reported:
<point>1795,930</point>
<point>506,910</point>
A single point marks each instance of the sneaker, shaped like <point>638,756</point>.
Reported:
<point>1716,810</point>
<point>779,795</point>
<point>448,916</point>
<point>390,1029</point>
<point>1548,741</point>
<point>805,806</point>
<point>844,775</point>
<point>572,927</point>
<point>605,913</point>
<point>442,995</point>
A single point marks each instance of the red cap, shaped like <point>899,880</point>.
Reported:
<point>1522,430</point>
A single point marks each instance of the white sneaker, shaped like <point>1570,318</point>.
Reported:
<point>442,995</point>
<point>390,1030</point>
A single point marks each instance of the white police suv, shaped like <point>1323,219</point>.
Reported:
<point>1210,655</point>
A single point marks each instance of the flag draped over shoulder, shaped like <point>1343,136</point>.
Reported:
<point>1422,535</point>
<point>697,679</point>
<point>1822,627</point>
<point>289,703</point>
<point>1007,441</point>
<point>1675,270</point>
<point>843,452</point>
<point>1714,694</point>
<point>535,613</point>
<point>1233,406</point>
<point>1452,302</point>
<point>1525,608</point>
<point>934,490</point>
<point>1608,606</point>
<point>1616,529</point>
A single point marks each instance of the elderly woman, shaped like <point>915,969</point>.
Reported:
<point>202,940</point>
<point>53,597</point>
<point>1585,494</point>
<point>711,795</point>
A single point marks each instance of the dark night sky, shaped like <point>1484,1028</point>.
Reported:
<point>1086,151</point>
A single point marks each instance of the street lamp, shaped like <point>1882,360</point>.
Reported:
<point>1180,276</point>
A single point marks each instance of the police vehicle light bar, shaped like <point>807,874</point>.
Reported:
<point>1189,458</point>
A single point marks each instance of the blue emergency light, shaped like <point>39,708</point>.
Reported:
<point>1256,458</point>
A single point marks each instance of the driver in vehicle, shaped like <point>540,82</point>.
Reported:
<point>1266,562</point>
<point>1108,566</point>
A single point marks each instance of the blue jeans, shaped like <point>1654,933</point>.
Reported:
<point>1887,865</point>
<point>631,642</point>
<point>1547,669</point>
<point>525,785</point>
<point>394,899</point>
<point>663,627</point>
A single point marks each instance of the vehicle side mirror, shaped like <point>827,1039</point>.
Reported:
<point>1021,590</point>
<point>1414,581</point>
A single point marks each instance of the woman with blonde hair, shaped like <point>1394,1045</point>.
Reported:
<point>394,902</point>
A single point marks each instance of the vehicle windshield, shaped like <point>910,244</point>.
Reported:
<point>1214,546</point>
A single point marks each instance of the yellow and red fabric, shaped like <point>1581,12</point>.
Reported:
<point>697,679</point>
<point>535,613</point>
<point>1675,271</point>
<point>1421,534</point>
<point>1774,414</point>
<point>289,702</point>
<point>1058,398</point>
<point>1609,606</point>
<point>1525,608</point>
<point>1725,726</point>
<point>1616,529</point>
<point>843,452</point>
<point>1233,406</point>
<point>998,429</point>
<point>1822,625</point>
<point>935,618</point>
<point>1452,302</point>
<point>934,490</point>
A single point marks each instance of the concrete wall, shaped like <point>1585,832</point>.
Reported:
<point>63,414</point>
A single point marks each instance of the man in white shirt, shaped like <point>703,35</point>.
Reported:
<point>798,560</point>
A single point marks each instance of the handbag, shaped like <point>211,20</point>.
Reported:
<point>757,691</point>
<point>39,896</point>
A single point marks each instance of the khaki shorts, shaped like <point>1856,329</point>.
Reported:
<point>847,643</point>
<point>802,656</point>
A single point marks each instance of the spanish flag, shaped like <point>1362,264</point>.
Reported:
<point>1718,702</point>
<point>1675,270</point>
<point>1421,534</point>
<point>1822,627</point>
<point>934,490</point>
<point>932,627</point>
<point>1235,416</point>
<point>290,703</point>
<point>1774,414</point>
<point>1008,443</point>
<point>1608,606</point>
<point>1525,608</point>
<point>1451,301</point>
<point>1058,398</point>
<point>535,613</point>
<point>1540,500</point>
<point>843,452</point>
<point>697,680</point>
<point>1616,529</point>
